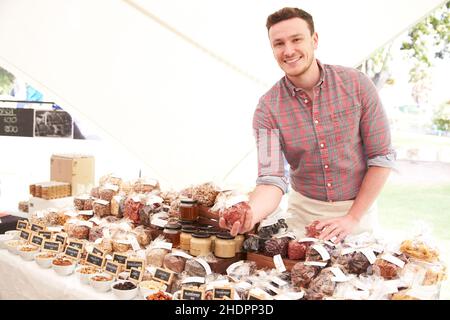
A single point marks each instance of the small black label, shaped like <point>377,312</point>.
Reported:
<point>73,252</point>
<point>36,227</point>
<point>51,245</point>
<point>187,294</point>
<point>37,240</point>
<point>46,234</point>
<point>121,259</point>
<point>25,235</point>
<point>95,260</point>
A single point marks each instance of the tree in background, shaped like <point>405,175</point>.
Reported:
<point>426,41</point>
<point>6,81</point>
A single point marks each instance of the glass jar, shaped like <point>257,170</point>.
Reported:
<point>239,239</point>
<point>188,209</point>
<point>185,237</point>
<point>172,232</point>
<point>213,234</point>
<point>200,244</point>
<point>225,246</point>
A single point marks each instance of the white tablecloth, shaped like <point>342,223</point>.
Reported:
<point>20,279</point>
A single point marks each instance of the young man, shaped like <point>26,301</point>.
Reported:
<point>330,125</point>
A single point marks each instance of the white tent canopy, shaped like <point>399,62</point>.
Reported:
<point>176,82</point>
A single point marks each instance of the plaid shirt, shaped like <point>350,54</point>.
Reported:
<point>329,142</point>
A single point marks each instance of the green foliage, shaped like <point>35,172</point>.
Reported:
<point>441,117</point>
<point>428,40</point>
<point>6,81</point>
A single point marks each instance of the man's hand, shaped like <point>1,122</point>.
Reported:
<point>337,227</point>
<point>237,227</point>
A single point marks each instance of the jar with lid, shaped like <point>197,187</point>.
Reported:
<point>225,246</point>
<point>200,244</point>
<point>172,232</point>
<point>185,237</point>
<point>213,234</point>
<point>188,209</point>
<point>239,239</point>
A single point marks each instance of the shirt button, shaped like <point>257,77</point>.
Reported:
<point>306,100</point>
<point>328,184</point>
<point>326,166</point>
<point>316,121</point>
<point>322,145</point>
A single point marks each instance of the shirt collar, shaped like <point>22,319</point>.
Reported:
<point>293,89</point>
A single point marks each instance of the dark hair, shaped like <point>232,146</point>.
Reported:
<point>289,13</point>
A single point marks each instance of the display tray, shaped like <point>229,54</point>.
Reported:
<point>222,264</point>
<point>263,261</point>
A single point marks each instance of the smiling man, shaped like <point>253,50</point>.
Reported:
<point>329,124</point>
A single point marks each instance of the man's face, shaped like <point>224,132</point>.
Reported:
<point>293,45</point>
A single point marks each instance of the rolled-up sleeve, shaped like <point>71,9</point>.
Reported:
<point>270,154</point>
<point>374,126</point>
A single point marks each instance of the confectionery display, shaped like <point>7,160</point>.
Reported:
<point>168,245</point>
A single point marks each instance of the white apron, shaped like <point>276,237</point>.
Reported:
<point>303,211</point>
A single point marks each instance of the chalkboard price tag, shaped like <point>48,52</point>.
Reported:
<point>46,234</point>
<point>95,260</point>
<point>222,293</point>
<point>25,235</point>
<point>136,274</point>
<point>120,258</point>
<point>37,227</point>
<point>76,244</point>
<point>163,275</point>
<point>73,252</point>
<point>134,263</point>
<point>51,246</point>
<point>112,268</point>
<point>192,294</point>
<point>98,252</point>
<point>37,240</point>
<point>22,224</point>
<point>61,238</point>
<point>16,122</point>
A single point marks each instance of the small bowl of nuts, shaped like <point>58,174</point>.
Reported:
<point>101,281</point>
<point>4,238</point>
<point>159,295</point>
<point>151,286</point>
<point>27,252</point>
<point>124,290</point>
<point>86,272</point>
<point>13,245</point>
<point>44,259</point>
<point>63,266</point>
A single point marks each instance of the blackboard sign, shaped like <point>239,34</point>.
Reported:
<point>73,252</point>
<point>51,245</point>
<point>112,268</point>
<point>136,274</point>
<point>53,123</point>
<point>36,227</point>
<point>76,244</point>
<point>37,240</point>
<point>221,293</point>
<point>21,224</point>
<point>95,260</point>
<point>61,238</point>
<point>46,234</point>
<point>16,122</point>
<point>192,294</point>
<point>134,263</point>
<point>24,234</point>
<point>98,252</point>
<point>120,258</point>
<point>163,275</point>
